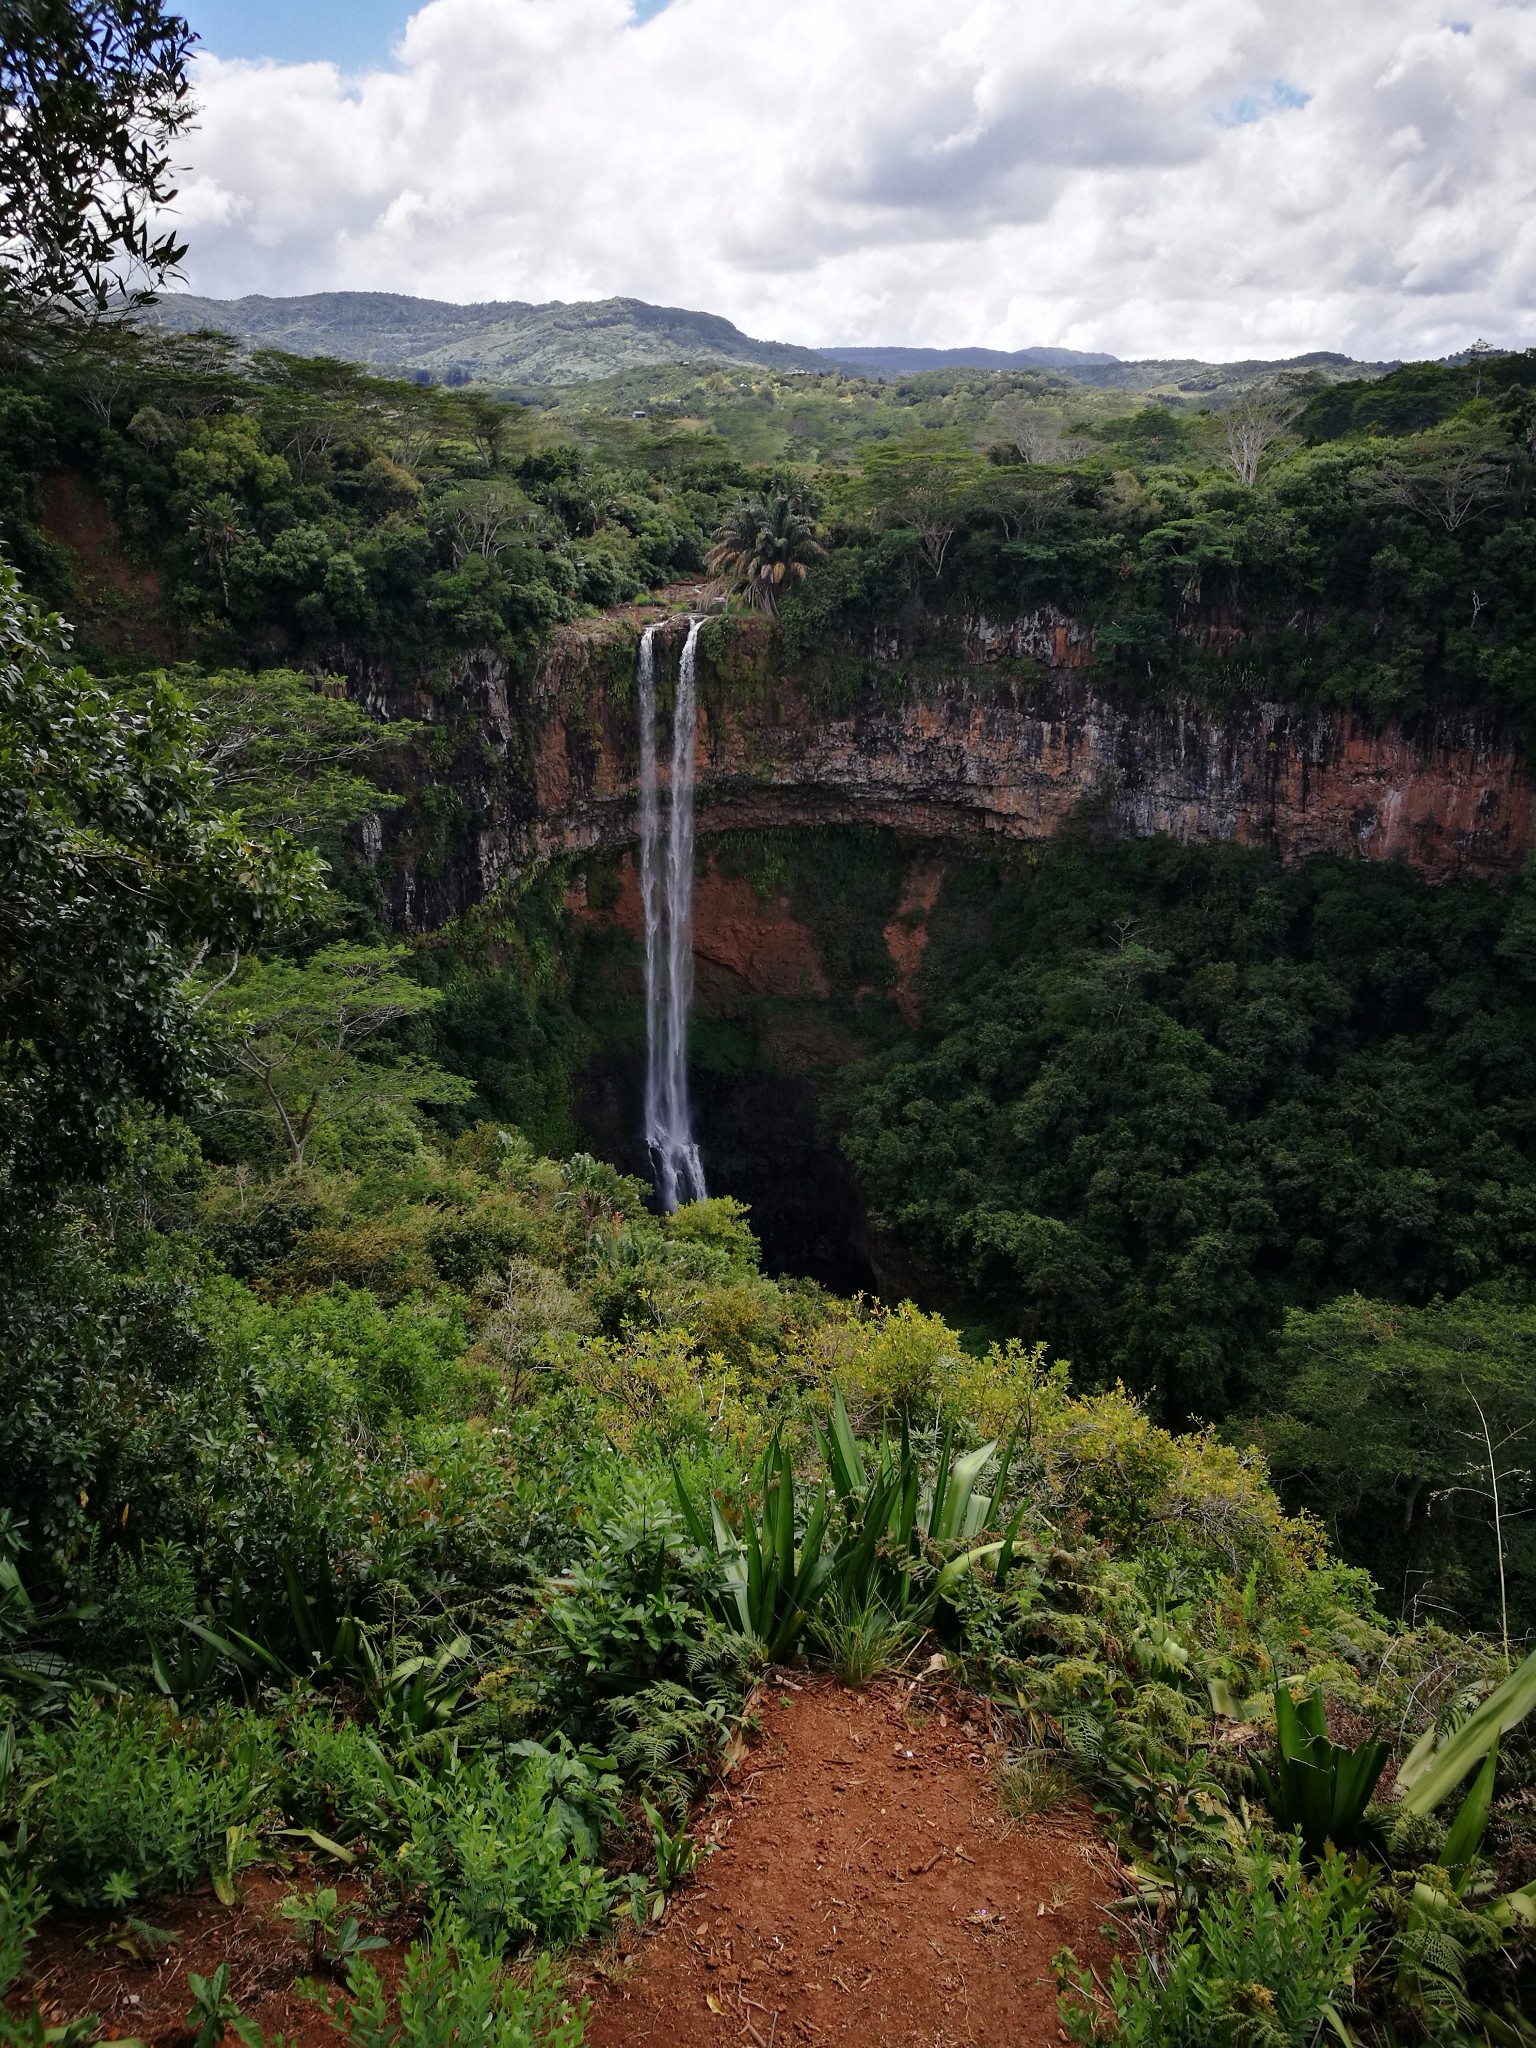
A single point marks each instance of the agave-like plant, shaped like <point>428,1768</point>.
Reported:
<point>763,546</point>
<point>771,1581</point>
<point>1437,1763</point>
<point>772,1576</point>
<point>1317,1785</point>
<point>893,1524</point>
<point>1324,1789</point>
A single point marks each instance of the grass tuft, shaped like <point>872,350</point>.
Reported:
<point>1031,1783</point>
<point>862,1640</point>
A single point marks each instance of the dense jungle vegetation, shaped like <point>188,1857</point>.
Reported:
<point>1365,544</point>
<point>382,1488</point>
<point>384,1495</point>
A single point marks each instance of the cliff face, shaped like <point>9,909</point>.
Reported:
<point>1009,737</point>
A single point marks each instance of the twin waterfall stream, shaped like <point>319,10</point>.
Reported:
<point>666,892</point>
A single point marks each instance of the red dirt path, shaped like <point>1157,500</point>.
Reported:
<point>866,1890</point>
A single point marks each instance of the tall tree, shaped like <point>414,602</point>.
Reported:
<point>1250,428</point>
<point>1409,1431</point>
<point>296,1036</point>
<point>117,872</point>
<point>289,750</point>
<point>922,487</point>
<point>92,95</point>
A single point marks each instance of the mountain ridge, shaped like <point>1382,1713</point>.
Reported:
<point>514,343</point>
<point>507,342</point>
<point>907,362</point>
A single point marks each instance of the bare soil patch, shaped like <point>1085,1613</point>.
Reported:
<point>86,1963</point>
<point>117,603</point>
<point>865,1888</point>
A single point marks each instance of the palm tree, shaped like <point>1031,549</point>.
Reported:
<point>215,526</point>
<point>764,545</point>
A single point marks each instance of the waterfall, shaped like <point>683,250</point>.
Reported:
<point>666,894</point>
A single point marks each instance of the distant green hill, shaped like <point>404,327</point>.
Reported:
<point>1167,376</point>
<point>513,346</point>
<point>913,362</point>
<point>500,343</point>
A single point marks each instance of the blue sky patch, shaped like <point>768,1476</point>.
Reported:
<point>1267,96</point>
<point>356,34</point>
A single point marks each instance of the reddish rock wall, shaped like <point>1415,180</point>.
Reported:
<point>758,939</point>
<point>1011,739</point>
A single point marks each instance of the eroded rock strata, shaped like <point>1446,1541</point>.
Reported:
<point>1012,736</point>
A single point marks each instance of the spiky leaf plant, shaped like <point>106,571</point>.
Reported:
<point>1317,1785</point>
<point>1437,1763</point>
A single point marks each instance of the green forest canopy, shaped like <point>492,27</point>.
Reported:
<point>290,509</point>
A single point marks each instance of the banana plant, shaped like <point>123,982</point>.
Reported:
<point>770,1585</point>
<point>1437,1763</point>
<point>1316,1785</point>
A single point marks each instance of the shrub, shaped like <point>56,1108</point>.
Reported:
<point>1205,1504</point>
<point>629,1614</point>
<point>339,1354</point>
<point>720,1222</point>
<point>1264,1963</point>
<point>126,1801</point>
<point>651,1387</point>
<point>334,1777</point>
<point>388,1256</point>
<point>21,1909</point>
<point>888,1362</point>
<point>147,1596</point>
<point>453,1991</point>
<point>465,1247</point>
<point>505,1850</point>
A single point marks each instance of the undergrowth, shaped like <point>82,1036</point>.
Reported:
<point>346,1582</point>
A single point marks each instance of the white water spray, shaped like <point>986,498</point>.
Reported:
<point>666,894</point>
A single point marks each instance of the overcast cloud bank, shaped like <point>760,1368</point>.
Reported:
<point>1201,177</point>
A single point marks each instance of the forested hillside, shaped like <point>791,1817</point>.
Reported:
<point>505,345</point>
<point>1366,545</point>
<point>517,348</point>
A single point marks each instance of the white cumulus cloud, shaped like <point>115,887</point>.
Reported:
<point>1209,177</point>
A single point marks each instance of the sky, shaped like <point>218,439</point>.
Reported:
<point>1217,178</point>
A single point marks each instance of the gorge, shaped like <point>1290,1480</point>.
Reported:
<point>1010,735</point>
<point>854,822</point>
